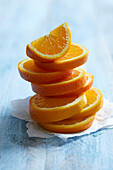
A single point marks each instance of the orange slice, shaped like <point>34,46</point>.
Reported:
<point>50,109</point>
<point>89,83</point>
<point>94,103</point>
<point>76,56</point>
<point>30,72</point>
<point>52,46</point>
<point>81,120</point>
<point>70,84</point>
<point>69,126</point>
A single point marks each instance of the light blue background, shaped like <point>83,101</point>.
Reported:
<point>22,21</point>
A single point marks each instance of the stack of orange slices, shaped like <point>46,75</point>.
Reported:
<point>65,101</point>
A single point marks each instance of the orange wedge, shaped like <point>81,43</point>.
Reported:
<point>89,83</point>
<point>51,109</point>
<point>69,126</point>
<point>76,56</point>
<point>30,72</point>
<point>52,46</point>
<point>94,103</point>
<point>70,84</point>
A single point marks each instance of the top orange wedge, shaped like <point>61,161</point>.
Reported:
<point>52,46</point>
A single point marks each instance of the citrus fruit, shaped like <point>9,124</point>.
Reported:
<point>69,126</point>
<point>50,109</point>
<point>52,46</point>
<point>81,120</point>
<point>68,85</point>
<point>76,56</point>
<point>88,84</point>
<point>94,103</point>
<point>30,72</point>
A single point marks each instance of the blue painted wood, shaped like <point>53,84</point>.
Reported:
<point>91,24</point>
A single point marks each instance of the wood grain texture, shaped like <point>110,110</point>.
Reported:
<point>91,24</point>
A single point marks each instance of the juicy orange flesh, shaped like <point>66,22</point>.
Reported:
<point>59,31</point>
<point>52,43</point>
<point>51,102</point>
<point>74,51</point>
<point>30,66</point>
<point>91,96</point>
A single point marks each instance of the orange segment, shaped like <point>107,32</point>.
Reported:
<point>94,103</point>
<point>50,109</point>
<point>76,56</point>
<point>52,46</point>
<point>71,126</point>
<point>30,72</point>
<point>70,84</point>
<point>89,83</point>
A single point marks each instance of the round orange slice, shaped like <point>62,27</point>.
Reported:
<point>69,126</point>
<point>30,72</point>
<point>76,56</point>
<point>94,103</point>
<point>51,109</point>
<point>70,84</point>
<point>52,46</point>
<point>89,83</point>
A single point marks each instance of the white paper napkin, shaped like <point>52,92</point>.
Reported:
<point>103,120</point>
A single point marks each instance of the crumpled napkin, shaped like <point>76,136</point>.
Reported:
<point>103,120</point>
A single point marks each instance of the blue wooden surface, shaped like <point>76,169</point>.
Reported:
<point>91,24</point>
